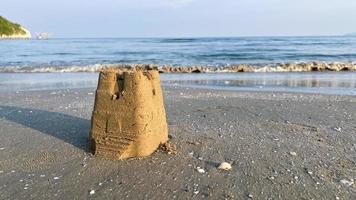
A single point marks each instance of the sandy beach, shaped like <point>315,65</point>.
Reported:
<point>280,145</point>
<point>178,99</point>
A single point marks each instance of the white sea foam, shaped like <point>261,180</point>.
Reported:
<point>288,67</point>
<point>51,69</point>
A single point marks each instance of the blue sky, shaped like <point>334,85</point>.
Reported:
<point>182,18</point>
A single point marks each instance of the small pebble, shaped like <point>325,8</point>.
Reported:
<point>200,170</point>
<point>92,192</point>
<point>293,153</point>
<point>196,192</point>
<point>347,182</point>
<point>338,129</point>
<point>56,178</point>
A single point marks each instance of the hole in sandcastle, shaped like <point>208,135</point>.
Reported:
<point>154,92</point>
<point>119,91</point>
<point>148,75</point>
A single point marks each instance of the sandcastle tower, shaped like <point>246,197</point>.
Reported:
<point>129,119</point>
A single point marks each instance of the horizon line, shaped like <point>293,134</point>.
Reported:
<point>153,37</point>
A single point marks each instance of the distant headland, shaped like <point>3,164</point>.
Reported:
<point>10,30</point>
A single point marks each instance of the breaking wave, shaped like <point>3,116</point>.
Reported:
<point>288,67</point>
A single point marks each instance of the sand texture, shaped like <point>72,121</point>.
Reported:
<point>129,119</point>
<point>279,145</point>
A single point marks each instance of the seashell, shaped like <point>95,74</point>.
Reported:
<point>225,166</point>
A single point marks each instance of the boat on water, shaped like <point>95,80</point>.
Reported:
<point>42,36</point>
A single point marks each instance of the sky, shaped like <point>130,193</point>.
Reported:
<point>182,18</point>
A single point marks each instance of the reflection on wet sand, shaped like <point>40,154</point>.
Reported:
<point>312,82</point>
<point>339,83</point>
<point>280,83</point>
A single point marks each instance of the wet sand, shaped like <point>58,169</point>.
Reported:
<point>280,145</point>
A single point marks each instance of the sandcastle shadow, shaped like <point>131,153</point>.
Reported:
<point>70,129</point>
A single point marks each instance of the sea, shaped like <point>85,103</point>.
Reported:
<point>22,62</point>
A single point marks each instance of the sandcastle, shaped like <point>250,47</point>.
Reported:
<point>129,119</point>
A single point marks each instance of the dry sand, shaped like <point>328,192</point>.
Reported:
<point>280,146</point>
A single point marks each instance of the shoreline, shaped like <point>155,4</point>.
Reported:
<point>316,66</point>
<point>44,149</point>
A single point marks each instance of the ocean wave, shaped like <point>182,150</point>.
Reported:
<point>63,54</point>
<point>179,40</point>
<point>51,69</point>
<point>286,67</point>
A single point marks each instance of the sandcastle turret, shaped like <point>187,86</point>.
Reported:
<point>129,118</point>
